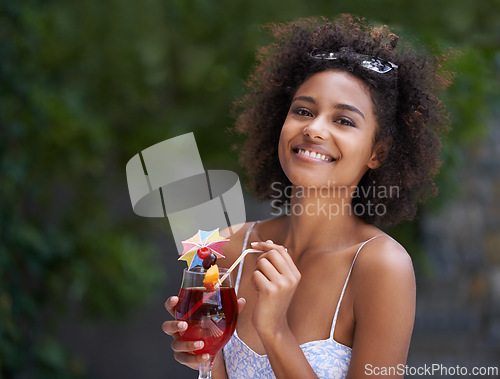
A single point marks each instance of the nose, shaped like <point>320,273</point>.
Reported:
<point>316,128</point>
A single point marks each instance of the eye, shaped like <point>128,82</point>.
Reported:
<point>302,112</point>
<point>346,122</point>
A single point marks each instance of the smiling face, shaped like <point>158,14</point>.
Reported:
<point>327,137</point>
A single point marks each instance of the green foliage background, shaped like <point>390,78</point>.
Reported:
<point>86,85</point>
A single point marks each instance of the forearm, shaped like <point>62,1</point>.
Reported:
<point>286,357</point>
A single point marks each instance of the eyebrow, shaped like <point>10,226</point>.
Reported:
<point>305,98</point>
<point>347,107</point>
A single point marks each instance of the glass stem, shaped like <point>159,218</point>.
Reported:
<point>206,369</point>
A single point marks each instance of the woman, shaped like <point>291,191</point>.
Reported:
<point>343,130</point>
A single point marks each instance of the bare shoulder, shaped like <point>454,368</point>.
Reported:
<point>384,255</point>
<point>383,264</point>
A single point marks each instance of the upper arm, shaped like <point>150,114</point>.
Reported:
<point>383,284</point>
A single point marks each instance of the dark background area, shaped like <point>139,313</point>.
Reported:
<point>84,86</point>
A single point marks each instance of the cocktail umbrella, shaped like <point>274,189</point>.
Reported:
<point>202,239</point>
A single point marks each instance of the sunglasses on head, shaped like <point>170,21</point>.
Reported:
<point>369,62</point>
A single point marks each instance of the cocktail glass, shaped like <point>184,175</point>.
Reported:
<point>211,314</point>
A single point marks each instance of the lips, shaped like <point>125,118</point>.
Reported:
<point>314,151</point>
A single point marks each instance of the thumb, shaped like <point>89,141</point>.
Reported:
<point>241,304</point>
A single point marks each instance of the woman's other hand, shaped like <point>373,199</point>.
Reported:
<point>275,278</point>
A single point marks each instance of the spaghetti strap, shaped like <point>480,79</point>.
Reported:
<point>240,268</point>
<point>345,285</point>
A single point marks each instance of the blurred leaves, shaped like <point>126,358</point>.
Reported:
<point>86,85</point>
<point>61,246</point>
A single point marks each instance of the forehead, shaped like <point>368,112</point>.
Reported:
<point>338,87</point>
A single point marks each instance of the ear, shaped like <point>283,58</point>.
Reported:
<point>380,153</point>
<point>374,162</point>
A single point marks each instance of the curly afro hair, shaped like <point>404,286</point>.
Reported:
<point>410,117</point>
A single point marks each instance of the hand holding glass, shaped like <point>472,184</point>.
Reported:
<point>211,314</point>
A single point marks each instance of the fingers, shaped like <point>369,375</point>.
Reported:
<point>180,346</point>
<point>241,304</point>
<point>279,258</point>
<point>267,279</point>
<point>260,281</point>
<point>191,360</point>
<point>275,269</point>
<point>270,246</point>
<point>171,303</point>
<point>173,327</point>
<point>184,351</point>
<point>272,269</point>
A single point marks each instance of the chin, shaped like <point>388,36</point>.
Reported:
<point>310,181</point>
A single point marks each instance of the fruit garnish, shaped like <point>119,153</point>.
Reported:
<point>211,277</point>
<point>200,245</point>
<point>209,261</point>
<point>202,252</point>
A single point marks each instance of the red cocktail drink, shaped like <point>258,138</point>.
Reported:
<point>209,307</point>
<point>214,319</point>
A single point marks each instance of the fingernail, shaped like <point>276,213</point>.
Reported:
<point>182,325</point>
<point>198,344</point>
<point>205,357</point>
<point>253,243</point>
<point>269,241</point>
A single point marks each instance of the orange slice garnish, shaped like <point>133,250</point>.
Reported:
<point>211,277</point>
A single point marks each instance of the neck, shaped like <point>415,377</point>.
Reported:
<point>320,220</point>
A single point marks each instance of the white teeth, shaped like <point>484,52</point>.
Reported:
<point>313,154</point>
